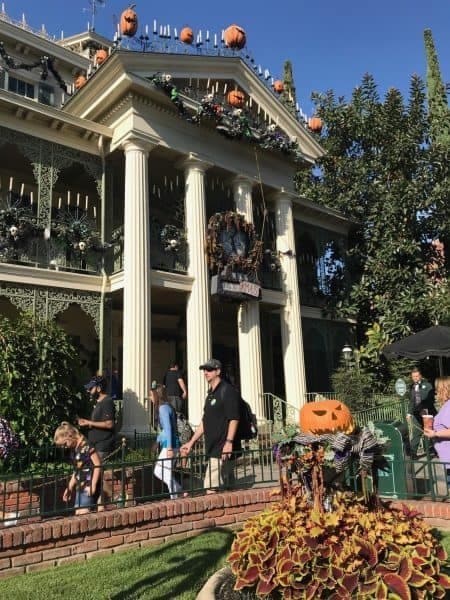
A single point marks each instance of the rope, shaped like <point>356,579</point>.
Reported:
<point>262,195</point>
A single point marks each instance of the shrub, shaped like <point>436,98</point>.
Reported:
<point>37,360</point>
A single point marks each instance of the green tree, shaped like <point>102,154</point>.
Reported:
<point>379,170</point>
<point>36,362</point>
<point>437,99</point>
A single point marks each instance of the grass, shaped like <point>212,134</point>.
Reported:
<point>174,570</point>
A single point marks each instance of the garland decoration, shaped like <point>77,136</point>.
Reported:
<point>45,63</point>
<point>233,123</point>
<point>232,245</point>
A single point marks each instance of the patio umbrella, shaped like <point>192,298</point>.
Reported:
<point>433,341</point>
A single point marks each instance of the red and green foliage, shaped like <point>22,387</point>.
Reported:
<point>292,550</point>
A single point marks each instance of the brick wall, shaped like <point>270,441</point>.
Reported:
<point>37,546</point>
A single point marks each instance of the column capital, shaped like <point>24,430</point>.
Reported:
<point>283,196</point>
<point>138,141</point>
<point>194,161</point>
<point>241,179</point>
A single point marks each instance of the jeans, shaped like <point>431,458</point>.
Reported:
<point>83,499</point>
<point>164,471</point>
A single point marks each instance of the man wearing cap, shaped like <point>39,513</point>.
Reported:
<point>101,424</point>
<point>219,426</point>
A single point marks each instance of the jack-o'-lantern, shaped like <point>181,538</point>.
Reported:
<point>79,82</point>
<point>235,37</point>
<point>278,86</point>
<point>129,21</point>
<point>186,35</point>
<point>326,416</point>
<point>315,124</point>
<point>100,56</point>
<point>236,98</point>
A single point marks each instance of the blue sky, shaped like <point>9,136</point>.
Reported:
<point>331,43</point>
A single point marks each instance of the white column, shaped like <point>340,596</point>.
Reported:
<point>198,314</point>
<point>249,334</point>
<point>291,324</point>
<point>137,289</point>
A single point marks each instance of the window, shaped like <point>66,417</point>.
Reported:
<point>46,94</point>
<point>18,86</point>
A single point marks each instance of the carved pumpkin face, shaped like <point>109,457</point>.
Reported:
<point>186,35</point>
<point>128,22</point>
<point>236,98</point>
<point>326,416</point>
<point>100,56</point>
<point>79,82</point>
<point>235,37</point>
<point>315,124</point>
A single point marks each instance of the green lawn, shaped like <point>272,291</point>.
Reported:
<point>175,570</point>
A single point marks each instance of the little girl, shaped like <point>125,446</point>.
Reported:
<point>86,467</point>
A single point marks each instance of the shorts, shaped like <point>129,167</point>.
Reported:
<point>83,499</point>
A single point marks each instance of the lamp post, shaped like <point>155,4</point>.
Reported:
<point>347,352</point>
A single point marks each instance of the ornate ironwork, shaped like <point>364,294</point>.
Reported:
<point>47,303</point>
<point>48,160</point>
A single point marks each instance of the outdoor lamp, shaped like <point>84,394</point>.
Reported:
<point>347,353</point>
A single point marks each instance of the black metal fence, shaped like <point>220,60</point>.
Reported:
<point>128,478</point>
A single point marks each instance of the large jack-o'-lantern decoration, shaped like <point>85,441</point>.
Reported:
<point>235,37</point>
<point>129,21</point>
<point>326,416</point>
<point>315,124</point>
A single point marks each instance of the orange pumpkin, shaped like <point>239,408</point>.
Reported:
<point>186,35</point>
<point>326,416</point>
<point>79,82</point>
<point>235,37</point>
<point>129,22</point>
<point>315,124</point>
<point>236,98</point>
<point>100,56</point>
<point>278,86</point>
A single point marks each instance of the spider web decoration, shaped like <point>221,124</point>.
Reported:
<point>73,234</point>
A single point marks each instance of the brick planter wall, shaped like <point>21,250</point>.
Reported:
<point>36,546</point>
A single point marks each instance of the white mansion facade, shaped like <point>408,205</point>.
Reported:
<point>109,190</point>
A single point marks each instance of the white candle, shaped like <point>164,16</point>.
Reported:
<point>207,35</point>
<point>215,40</point>
<point>31,198</point>
<point>175,33</point>
<point>223,33</point>
<point>87,202</point>
<point>160,30</point>
<point>168,30</point>
<point>68,198</point>
<point>154,26</point>
<point>207,84</point>
<point>225,89</point>
<point>59,203</point>
<point>78,199</point>
<point>10,183</point>
<point>146,30</point>
<point>21,190</point>
<point>95,212</point>
<point>217,86</point>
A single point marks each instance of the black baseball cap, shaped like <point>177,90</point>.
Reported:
<point>211,365</point>
<point>97,381</point>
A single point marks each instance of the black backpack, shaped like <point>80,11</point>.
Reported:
<point>248,426</point>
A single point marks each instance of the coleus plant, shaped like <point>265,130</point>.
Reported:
<point>294,551</point>
<point>347,547</point>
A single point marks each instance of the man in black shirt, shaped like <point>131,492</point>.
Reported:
<point>101,424</point>
<point>175,387</point>
<point>219,426</point>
